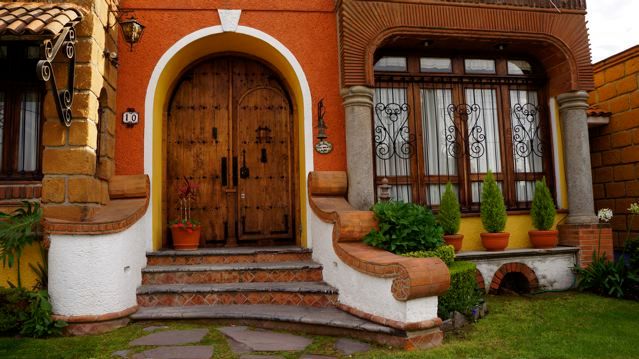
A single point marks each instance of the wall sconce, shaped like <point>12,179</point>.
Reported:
<point>322,146</point>
<point>132,30</point>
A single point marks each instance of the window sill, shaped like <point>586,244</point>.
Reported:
<point>516,212</point>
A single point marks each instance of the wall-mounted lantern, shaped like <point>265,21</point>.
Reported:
<point>322,146</point>
<point>132,30</point>
<point>130,118</point>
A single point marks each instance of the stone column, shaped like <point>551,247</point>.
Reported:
<point>358,106</point>
<point>572,107</point>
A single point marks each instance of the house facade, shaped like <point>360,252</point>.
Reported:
<point>289,117</point>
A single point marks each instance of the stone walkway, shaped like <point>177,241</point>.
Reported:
<point>245,343</point>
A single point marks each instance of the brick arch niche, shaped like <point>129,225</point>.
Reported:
<point>524,270</point>
<point>558,41</point>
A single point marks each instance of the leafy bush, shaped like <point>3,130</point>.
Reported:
<point>631,248</point>
<point>607,278</point>
<point>17,231</point>
<point>493,209</point>
<point>446,253</point>
<point>543,208</point>
<point>27,313</point>
<point>463,293</point>
<point>404,227</point>
<point>449,216</point>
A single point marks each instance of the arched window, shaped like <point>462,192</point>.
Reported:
<point>453,118</point>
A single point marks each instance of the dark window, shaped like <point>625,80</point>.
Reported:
<point>21,96</point>
<point>431,128</point>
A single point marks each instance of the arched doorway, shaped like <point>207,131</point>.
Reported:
<point>229,130</point>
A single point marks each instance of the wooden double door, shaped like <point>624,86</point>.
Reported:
<point>230,131</point>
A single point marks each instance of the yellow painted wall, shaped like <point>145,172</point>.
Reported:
<point>220,43</point>
<point>31,254</point>
<point>517,225</point>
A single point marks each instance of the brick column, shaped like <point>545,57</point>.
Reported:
<point>358,107</point>
<point>72,187</point>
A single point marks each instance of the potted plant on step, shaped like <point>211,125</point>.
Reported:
<point>493,216</point>
<point>449,218</point>
<point>543,216</point>
<point>185,230</point>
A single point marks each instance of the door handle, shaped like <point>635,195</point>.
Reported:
<point>224,171</point>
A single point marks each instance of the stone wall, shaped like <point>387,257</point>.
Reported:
<point>615,147</point>
<point>76,172</point>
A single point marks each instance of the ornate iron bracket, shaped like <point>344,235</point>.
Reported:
<point>63,98</point>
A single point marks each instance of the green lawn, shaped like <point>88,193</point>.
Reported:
<point>554,325</point>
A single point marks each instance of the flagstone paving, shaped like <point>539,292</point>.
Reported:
<point>244,342</point>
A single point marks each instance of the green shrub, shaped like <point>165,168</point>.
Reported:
<point>607,278</point>
<point>449,216</point>
<point>446,253</point>
<point>543,207</point>
<point>27,313</point>
<point>463,293</point>
<point>631,248</point>
<point>493,209</point>
<point>404,227</point>
<point>17,231</point>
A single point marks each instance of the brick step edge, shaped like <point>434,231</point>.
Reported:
<point>232,276</point>
<point>246,297</point>
<point>261,257</point>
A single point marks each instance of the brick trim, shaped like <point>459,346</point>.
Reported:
<point>587,237</point>
<point>406,326</point>
<point>20,191</point>
<point>96,318</point>
<point>514,267</point>
<point>413,277</point>
<point>481,283</point>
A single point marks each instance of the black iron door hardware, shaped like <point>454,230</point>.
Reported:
<point>244,171</point>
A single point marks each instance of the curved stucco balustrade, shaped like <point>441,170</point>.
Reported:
<point>375,284</point>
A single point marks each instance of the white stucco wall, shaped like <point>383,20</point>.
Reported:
<point>553,271</point>
<point>361,291</point>
<point>94,275</point>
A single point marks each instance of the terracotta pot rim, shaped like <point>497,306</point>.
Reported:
<point>537,231</point>
<point>456,235</point>
<point>495,234</point>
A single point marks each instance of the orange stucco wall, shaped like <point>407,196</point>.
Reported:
<point>307,28</point>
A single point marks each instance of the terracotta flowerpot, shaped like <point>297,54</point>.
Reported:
<point>454,240</point>
<point>494,242</point>
<point>185,238</point>
<point>544,239</point>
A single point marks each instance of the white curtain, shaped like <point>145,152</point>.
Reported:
<point>29,132</point>
<point>483,131</point>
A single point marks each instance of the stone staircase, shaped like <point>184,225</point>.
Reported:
<point>275,276</point>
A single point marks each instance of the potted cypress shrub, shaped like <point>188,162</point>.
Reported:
<point>185,231</point>
<point>449,218</point>
<point>493,216</point>
<point>543,216</point>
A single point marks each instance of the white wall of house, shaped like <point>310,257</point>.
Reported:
<point>95,275</point>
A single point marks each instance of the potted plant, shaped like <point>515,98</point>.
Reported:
<point>543,216</point>
<point>449,218</point>
<point>185,230</point>
<point>493,216</point>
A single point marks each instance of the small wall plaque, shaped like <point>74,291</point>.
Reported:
<point>322,146</point>
<point>130,117</point>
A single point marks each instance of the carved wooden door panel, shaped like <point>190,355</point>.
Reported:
<point>230,132</point>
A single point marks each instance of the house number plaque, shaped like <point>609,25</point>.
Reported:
<point>130,117</point>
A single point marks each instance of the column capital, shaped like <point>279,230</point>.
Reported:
<point>576,100</point>
<point>357,96</point>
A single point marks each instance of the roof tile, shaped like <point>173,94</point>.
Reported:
<point>36,18</point>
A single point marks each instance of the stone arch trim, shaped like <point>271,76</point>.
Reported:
<point>364,25</point>
<point>514,267</point>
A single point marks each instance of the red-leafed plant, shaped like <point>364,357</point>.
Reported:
<point>185,230</point>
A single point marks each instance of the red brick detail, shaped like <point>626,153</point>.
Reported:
<point>20,191</point>
<point>408,326</point>
<point>481,283</point>
<point>590,238</point>
<point>233,276</point>
<point>114,217</point>
<point>413,277</point>
<point>79,329</point>
<point>96,318</point>
<point>318,300</point>
<point>424,339</point>
<point>248,258</point>
<point>514,267</point>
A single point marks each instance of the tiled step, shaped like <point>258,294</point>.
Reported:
<point>306,271</point>
<point>229,255</point>
<point>312,294</point>
<point>330,317</point>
